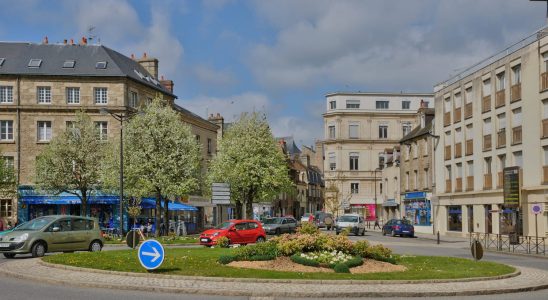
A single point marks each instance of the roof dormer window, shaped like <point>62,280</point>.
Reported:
<point>101,65</point>
<point>35,63</point>
<point>69,64</point>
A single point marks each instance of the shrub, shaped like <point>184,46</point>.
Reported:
<point>226,259</point>
<point>346,231</point>
<point>381,253</point>
<point>341,268</point>
<point>223,242</point>
<point>360,248</point>
<point>354,262</point>
<point>263,250</point>
<point>261,257</point>
<point>297,258</point>
<point>308,228</point>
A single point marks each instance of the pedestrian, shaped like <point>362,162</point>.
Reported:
<point>376,224</point>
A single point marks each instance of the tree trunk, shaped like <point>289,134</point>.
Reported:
<point>166,216</point>
<point>84,203</point>
<point>238,205</point>
<point>158,213</point>
<point>249,204</point>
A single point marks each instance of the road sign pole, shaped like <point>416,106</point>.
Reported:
<point>536,232</point>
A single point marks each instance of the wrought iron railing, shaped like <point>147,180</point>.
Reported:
<point>510,242</point>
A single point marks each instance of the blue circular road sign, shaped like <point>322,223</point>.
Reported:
<point>151,254</point>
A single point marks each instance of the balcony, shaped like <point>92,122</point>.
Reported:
<point>457,114</point>
<point>469,183</point>
<point>447,119</point>
<point>448,186</point>
<point>469,147</point>
<point>516,135</point>
<point>458,185</point>
<point>468,110</point>
<point>501,138</point>
<point>515,92</point>
<point>447,152</point>
<point>545,128</point>
<point>499,180</point>
<point>499,99</point>
<point>487,142</point>
<point>486,103</point>
<point>487,181</point>
<point>543,81</point>
<point>458,150</point>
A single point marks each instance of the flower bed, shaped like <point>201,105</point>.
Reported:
<point>337,260</point>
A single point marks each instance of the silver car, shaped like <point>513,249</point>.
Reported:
<point>280,225</point>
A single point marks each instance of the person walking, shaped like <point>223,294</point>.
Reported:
<point>377,224</point>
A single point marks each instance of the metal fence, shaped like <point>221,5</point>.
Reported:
<point>510,242</point>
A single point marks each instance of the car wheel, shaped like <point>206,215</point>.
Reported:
<point>363,232</point>
<point>9,255</point>
<point>336,232</point>
<point>357,232</point>
<point>278,231</point>
<point>38,249</point>
<point>260,239</point>
<point>383,233</point>
<point>392,233</point>
<point>95,246</point>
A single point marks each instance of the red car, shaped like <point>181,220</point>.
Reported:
<point>237,232</point>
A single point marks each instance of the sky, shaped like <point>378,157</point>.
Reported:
<point>282,57</point>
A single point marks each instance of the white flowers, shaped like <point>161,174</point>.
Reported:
<point>327,257</point>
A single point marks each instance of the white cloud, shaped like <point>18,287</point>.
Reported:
<point>229,107</point>
<point>213,77</point>
<point>305,131</point>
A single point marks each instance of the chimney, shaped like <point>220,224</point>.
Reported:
<point>72,41</point>
<point>45,41</point>
<point>84,41</point>
<point>219,121</point>
<point>150,64</point>
<point>64,41</point>
<point>168,84</point>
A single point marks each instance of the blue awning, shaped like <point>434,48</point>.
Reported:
<point>173,206</point>
<point>415,195</point>
<point>29,195</point>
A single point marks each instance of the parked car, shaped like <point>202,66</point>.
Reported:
<point>280,225</point>
<point>319,218</point>
<point>307,217</point>
<point>398,227</point>
<point>57,233</point>
<point>355,222</point>
<point>237,232</point>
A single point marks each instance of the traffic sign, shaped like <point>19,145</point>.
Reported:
<point>537,208</point>
<point>220,193</point>
<point>151,254</point>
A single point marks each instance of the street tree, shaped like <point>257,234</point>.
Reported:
<point>161,157</point>
<point>250,160</point>
<point>70,162</point>
<point>8,179</point>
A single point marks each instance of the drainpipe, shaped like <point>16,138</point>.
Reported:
<point>18,141</point>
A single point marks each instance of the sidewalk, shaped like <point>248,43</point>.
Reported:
<point>36,270</point>
<point>428,236</point>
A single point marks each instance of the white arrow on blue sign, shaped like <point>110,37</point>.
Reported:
<point>151,254</point>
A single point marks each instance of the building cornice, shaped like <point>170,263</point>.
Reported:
<point>384,94</point>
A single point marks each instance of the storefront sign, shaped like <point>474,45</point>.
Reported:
<point>415,195</point>
<point>511,186</point>
<point>369,210</point>
<point>390,202</point>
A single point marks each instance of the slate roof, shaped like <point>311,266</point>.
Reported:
<point>291,147</point>
<point>188,112</point>
<point>17,56</point>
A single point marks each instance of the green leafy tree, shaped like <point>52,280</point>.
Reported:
<point>161,157</point>
<point>71,161</point>
<point>250,160</point>
<point>8,179</point>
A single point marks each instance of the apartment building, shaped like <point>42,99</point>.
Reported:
<point>492,121</point>
<point>390,184</point>
<point>358,128</point>
<point>41,88</point>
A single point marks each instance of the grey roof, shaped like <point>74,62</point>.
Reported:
<point>188,112</point>
<point>17,56</point>
<point>291,147</point>
<point>417,131</point>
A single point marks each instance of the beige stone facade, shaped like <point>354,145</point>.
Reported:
<point>358,127</point>
<point>490,118</point>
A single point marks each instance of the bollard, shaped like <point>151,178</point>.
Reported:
<point>438,237</point>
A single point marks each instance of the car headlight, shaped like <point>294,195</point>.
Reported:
<point>21,238</point>
<point>215,234</point>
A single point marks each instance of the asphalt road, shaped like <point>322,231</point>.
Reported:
<point>14,289</point>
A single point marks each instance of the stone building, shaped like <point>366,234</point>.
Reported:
<point>493,122</point>
<point>358,128</point>
<point>390,184</point>
<point>41,88</point>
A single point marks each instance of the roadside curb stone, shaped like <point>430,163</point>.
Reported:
<point>525,279</point>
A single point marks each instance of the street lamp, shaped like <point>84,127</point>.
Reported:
<point>120,117</point>
<point>375,183</point>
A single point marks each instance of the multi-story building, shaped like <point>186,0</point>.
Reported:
<point>41,88</point>
<point>493,122</point>
<point>390,184</point>
<point>358,128</point>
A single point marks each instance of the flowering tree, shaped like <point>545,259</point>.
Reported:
<point>251,162</point>
<point>8,180</point>
<point>70,162</point>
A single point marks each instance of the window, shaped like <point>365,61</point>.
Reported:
<point>545,109</point>
<point>518,159</point>
<point>545,151</point>
<point>353,131</point>
<point>502,162</point>
<point>331,131</point>
<point>198,138</point>
<point>487,126</point>
<point>9,162</point>
<point>416,175</point>
<point>354,188</point>
<point>6,94</point>
<point>468,95</point>
<point>487,87</point>
<point>415,150</point>
<point>447,104</point>
<point>6,208</point>
<point>44,94</point>
<point>73,95</point>
<point>209,146</point>
<point>459,170</point>
<point>6,130</point>
<point>407,181</point>
<point>332,104</point>
<point>101,96</point>
<point>354,158</point>
<point>516,74</point>
<point>353,104</point>
<point>488,165</point>
<point>448,173</point>
<point>426,179</point>
<point>78,224</point>
<point>44,131</point>
<point>454,218</point>
<point>102,130</point>
<point>35,63</point>
<point>502,121</point>
<point>469,133</point>
<point>406,128</point>
<point>470,168</point>
<point>101,65</point>
<point>458,135</point>
<point>405,104</point>
<point>501,81</point>
<point>458,100</point>
<point>132,99</point>
<point>332,162</point>
<point>381,104</point>
<point>149,101</point>
<point>516,117</point>
<point>383,131</point>
<point>68,64</point>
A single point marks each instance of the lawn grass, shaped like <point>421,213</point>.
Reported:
<point>179,240</point>
<point>203,262</point>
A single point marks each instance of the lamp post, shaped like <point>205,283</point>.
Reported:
<point>121,118</point>
<point>375,183</point>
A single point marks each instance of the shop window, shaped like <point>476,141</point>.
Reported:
<point>6,208</point>
<point>454,218</point>
<point>418,212</point>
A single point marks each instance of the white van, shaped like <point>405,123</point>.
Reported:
<point>355,222</point>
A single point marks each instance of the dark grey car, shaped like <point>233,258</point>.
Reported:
<point>279,225</point>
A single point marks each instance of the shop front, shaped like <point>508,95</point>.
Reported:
<point>367,210</point>
<point>183,218</point>
<point>418,210</point>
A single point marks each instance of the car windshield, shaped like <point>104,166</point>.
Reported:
<point>348,219</point>
<point>36,224</point>
<point>224,225</point>
<point>406,222</point>
<point>273,221</point>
